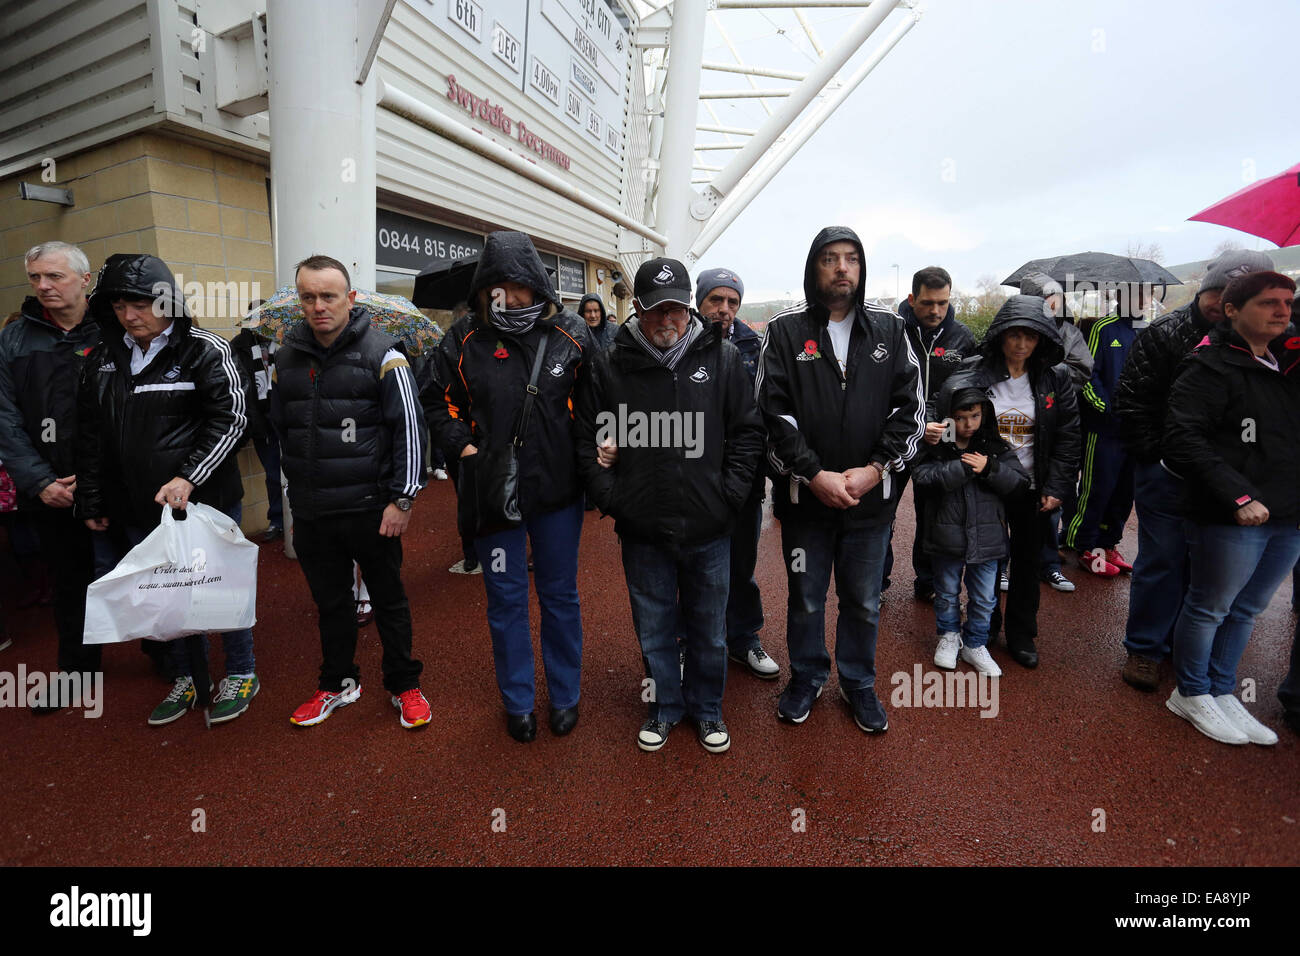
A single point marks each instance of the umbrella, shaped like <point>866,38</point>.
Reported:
<point>1269,208</point>
<point>1096,268</point>
<point>444,284</point>
<point>393,314</point>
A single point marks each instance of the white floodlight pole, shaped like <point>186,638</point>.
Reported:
<point>736,203</point>
<point>681,112</point>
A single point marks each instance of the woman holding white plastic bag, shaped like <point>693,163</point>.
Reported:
<point>162,408</point>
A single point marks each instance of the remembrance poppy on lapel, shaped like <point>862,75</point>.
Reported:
<point>501,352</point>
<point>810,347</point>
<point>1293,342</point>
<point>1049,401</point>
<point>938,353</point>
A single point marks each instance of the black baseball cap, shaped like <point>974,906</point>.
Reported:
<point>662,280</point>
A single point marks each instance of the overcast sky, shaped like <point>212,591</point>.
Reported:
<point>1004,130</point>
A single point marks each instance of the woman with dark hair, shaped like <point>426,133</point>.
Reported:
<point>1231,433</point>
<point>1019,367</point>
<point>514,373</point>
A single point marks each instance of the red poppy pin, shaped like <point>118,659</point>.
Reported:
<point>311,374</point>
<point>939,352</point>
<point>1049,401</point>
<point>501,352</point>
<point>809,352</point>
<point>1293,342</point>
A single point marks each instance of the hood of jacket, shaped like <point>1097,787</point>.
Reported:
<point>511,257</point>
<point>140,276</point>
<point>965,388</point>
<point>823,239</point>
<point>1029,312</point>
<point>592,297</point>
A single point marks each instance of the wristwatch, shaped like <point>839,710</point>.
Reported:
<point>403,504</point>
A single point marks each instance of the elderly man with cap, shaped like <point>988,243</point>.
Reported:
<point>669,446</point>
<point>1141,401</point>
<point>718,294</point>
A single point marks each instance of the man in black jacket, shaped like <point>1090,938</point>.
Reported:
<point>839,388</point>
<point>254,354</point>
<point>162,407</point>
<point>41,356</point>
<point>352,445</point>
<point>674,401</point>
<point>1141,403</point>
<point>940,342</point>
<point>718,294</point>
<point>599,325</point>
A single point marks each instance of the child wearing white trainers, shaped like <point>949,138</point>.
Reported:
<point>967,472</point>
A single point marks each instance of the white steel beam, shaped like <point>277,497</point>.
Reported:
<point>803,94</point>
<point>736,203</point>
<point>790,4</point>
<point>732,130</point>
<point>753,71</point>
<point>807,28</point>
<point>741,94</point>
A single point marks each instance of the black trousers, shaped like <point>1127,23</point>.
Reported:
<point>1027,527</point>
<point>326,549</point>
<point>920,557</point>
<point>65,546</point>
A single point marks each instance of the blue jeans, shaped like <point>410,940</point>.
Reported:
<point>1289,690</point>
<point>554,536</point>
<point>659,586</point>
<point>1234,573</point>
<point>268,453</point>
<point>981,589</point>
<point>1159,579</point>
<point>857,557</point>
<point>744,603</point>
<point>236,646</point>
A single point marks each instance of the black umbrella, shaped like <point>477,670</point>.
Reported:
<point>1096,269</point>
<point>443,285</point>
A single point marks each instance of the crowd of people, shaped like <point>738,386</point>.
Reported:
<point>114,403</point>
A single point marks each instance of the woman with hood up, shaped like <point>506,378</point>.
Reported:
<point>1019,367</point>
<point>490,361</point>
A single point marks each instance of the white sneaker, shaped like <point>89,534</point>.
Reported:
<point>759,664</point>
<point>1204,714</point>
<point>1241,718</point>
<point>980,659</point>
<point>439,474</point>
<point>945,655</point>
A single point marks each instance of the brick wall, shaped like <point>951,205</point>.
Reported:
<point>202,212</point>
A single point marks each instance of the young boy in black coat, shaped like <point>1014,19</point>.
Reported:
<point>966,477</point>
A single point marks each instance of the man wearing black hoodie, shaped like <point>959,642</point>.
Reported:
<point>940,342</point>
<point>592,310</point>
<point>839,388</point>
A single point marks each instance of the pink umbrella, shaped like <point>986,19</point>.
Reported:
<point>1269,209</point>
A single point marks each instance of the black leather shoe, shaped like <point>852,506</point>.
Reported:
<point>523,729</point>
<point>1025,654</point>
<point>562,721</point>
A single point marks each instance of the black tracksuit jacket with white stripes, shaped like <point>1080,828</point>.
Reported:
<point>183,416</point>
<point>352,434</point>
<point>818,418</point>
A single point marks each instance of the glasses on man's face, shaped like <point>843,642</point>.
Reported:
<point>831,259</point>
<point>666,313</point>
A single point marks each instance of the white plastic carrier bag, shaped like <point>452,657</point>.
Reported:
<point>188,577</point>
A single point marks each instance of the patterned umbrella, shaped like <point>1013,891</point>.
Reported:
<point>393,314</point>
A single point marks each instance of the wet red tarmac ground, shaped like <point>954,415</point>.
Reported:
<point>1075,769</point>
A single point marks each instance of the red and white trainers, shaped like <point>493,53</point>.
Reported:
<point>413,709</point>
<point>1094,561</point>
<point>322,704</point>
<point>1117,559</point>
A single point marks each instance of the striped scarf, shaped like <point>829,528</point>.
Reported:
<point>673,354</point>
<point>516,321</point>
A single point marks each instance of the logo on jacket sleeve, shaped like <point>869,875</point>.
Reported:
<point>881,353</point>
<point>701,375</point>
<point>810,352</point>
